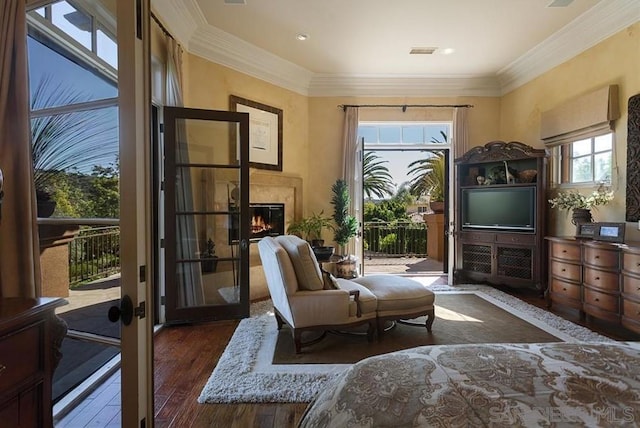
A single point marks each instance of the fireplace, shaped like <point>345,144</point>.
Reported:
<point>267,219</point>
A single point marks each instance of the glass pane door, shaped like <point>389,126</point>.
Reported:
<point>207,215</point>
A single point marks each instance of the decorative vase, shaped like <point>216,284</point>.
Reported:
<point>581,215</point>
<point>437,206</point>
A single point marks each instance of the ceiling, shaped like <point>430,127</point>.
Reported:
<point>361,47</point>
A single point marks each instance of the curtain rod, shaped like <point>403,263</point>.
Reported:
<point>405,106</point>
<point>162,27</point>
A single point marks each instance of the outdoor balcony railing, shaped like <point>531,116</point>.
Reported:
<point>94,253</point>
<point>392,239</point>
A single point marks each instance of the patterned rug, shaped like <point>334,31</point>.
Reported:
<point>246,373</point>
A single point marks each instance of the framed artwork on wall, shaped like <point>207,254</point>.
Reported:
<point>265,132</point>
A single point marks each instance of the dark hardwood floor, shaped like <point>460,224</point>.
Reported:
<point>185,357</point>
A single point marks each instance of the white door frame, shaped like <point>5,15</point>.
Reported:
<point>135,209</point>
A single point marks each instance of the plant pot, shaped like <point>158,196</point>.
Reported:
<point>46,208</point>
<point>209,266</point>
<point>437,206</point>
<point>323,254</point>
<point>581,215</point>
<point>347,269</point>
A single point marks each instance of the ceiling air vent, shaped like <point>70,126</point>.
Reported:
<point>560,3</point>
<point>422,51</point>
<point>235,1</point>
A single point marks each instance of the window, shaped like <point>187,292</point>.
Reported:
<point>406,133</point>
<point>85,30</point>
<point>589,160</point>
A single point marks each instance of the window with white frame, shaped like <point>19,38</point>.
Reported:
<point>586,161</point>
<point>404,133</point>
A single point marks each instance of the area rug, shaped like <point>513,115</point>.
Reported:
<point>246,373</point>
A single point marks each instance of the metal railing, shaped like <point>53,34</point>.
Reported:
<point>94,253</point>
<point>383,239</point>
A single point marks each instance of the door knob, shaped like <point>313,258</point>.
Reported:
<point>124,312</point>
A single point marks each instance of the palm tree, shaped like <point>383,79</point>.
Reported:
<point>67,142</point>
<point>377,180</point>
<point>429,174</point>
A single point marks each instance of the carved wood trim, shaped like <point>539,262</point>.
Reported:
<point>633,159</point>
<point>500,150</point>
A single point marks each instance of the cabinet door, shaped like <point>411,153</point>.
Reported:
<point>515,262</point>
<point>476,258</point>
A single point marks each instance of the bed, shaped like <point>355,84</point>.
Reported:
<point>549,384</point>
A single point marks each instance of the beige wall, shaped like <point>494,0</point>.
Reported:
<point>616,60</point>
<point>313,125</point>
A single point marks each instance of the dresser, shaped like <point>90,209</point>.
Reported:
<point>600,279</point>
<point>30,339</point>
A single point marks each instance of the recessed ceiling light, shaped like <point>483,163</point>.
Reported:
<point>447,51</point>
<point>302,36</point>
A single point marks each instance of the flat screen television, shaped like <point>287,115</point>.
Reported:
<point>500,208</point>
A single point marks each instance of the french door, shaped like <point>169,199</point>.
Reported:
<point>206,214</point>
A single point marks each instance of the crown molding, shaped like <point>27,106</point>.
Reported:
<point>180,17</point>
<point>187,23</point>
<point>226,49</point>
<point>603,20</point>
<point>327,85</point>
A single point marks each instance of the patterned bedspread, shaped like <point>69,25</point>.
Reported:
<point>551,384</point>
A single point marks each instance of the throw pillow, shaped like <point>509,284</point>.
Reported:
<point>304,262</point>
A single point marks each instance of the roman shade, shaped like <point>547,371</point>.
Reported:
<point>582,117</point>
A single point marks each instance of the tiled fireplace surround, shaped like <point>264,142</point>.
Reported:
<point>267,187</point>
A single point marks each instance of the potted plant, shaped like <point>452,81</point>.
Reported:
<point>310,229</point>
<point>209,259</point>
<point>580,205</point>
<point>345,229</point>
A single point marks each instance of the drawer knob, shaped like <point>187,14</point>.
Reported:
<point>2,368</point>
<point>596,299</point>
<point>564,288</point>
<point>597,257</point>
<point>564,251</point>
<point>563,270</point>
<point>597,278</point>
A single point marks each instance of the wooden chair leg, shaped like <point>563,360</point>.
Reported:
<point>380,328</point>
<point>279,321</point>
<point>431,317</point>
<point>371,331</point>
<point>297,340</point>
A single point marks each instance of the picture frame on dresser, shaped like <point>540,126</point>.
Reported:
<point>602,231</point>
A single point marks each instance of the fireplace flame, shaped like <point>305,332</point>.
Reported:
<point>258,225</point>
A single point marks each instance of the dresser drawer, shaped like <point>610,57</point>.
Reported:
<point>566,289</point>
<point>631,310</point>
<point>565,251</point>
<point>603,301</point>
<point>631,262</point>
<point>603,280</point>
<point>515,238</point>
<point>566,270</point>
<point>21,355</point>
<point>602,258</point>
<point>631,286</point>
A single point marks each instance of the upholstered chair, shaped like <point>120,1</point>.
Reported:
<point>305,298</point>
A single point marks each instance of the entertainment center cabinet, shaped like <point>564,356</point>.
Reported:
<point>500,221</point>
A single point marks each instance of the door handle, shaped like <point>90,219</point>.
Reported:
<point>125,312</point>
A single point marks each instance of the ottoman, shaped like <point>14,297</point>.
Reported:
<point>399,298</point>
